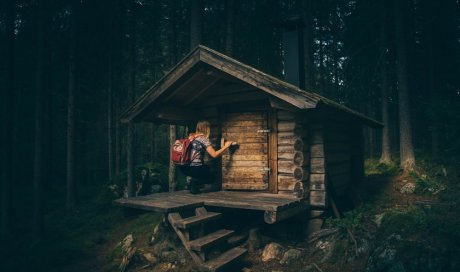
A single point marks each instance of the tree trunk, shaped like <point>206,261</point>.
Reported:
<point>42,95</point>
<point>386,150</point>
<point>405,126</point>
<point>131,85</point>
<point>110,97</point>
<point>323,88</point>
<point>153,149</point>
<point>71,191</point>
<point>173,39</point>
<point>172,167</point>
<point>370,131</point>
<point>195,23</point>
<point>229,26</point>
<point>116,59</point>
<point>117,138</point>
<point>7,123</point>
<point>431,64</point>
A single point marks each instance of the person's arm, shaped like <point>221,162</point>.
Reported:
<point>215,154</point>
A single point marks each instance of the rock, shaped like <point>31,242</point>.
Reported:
<point>378,219</point>
<point>245,269</point>
<point>162,247</point>
<point>309,268</point>
<point>272,251</point>
<point>164,267</point>
<point>321,234</point>
<point>290,255</point>
<point>128,256</point>
<point>127,243</point>
<point>322,245</point>
<point>363,247</point>
<point>383,258</point>
<point>150,258</point>
<point>408,188</point>
<point>170,256</point>
<point>326,248</point>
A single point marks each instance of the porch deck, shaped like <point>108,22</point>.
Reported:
<point>276,207</point>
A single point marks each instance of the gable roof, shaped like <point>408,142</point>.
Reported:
<point>229,67</point>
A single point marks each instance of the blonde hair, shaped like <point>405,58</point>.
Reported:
<point>203,127</point>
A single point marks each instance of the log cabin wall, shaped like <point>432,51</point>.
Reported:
<point>318,182</point>
<point>338,150</point>
<point>357,155</point>
<point>293,154</point>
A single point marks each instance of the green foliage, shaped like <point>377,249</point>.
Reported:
<point>373,167</point>
<point>403,221</point>
<point>426,185</point>
<point>431,177</point>
<point>339,251</point>
<point>423,239</point>
<point>355,220</point>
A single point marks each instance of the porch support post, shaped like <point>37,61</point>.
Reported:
<point>273,151</point>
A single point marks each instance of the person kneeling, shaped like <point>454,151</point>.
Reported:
<point>199,172</point>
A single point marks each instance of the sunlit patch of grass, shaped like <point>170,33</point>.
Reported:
<point>373,167</point>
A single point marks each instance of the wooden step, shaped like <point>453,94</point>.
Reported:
<point>192,221</point>
<point>226,259</point>
<point>203,243</point>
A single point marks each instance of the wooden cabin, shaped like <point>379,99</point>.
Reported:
<point>290,141</point>
<point>295,147</point>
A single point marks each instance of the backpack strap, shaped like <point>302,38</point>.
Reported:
<point>194,140</point>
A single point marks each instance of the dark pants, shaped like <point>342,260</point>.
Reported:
<point>200,174</point>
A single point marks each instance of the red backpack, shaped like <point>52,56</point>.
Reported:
<point>181,152</point>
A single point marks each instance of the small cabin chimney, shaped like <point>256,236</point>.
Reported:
<point>293,51</point>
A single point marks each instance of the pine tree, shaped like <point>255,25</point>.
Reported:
<point>405,126</point>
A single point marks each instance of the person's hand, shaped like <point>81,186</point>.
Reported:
<point>228,143</point>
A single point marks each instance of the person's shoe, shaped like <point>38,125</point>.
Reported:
<point>194,188</point>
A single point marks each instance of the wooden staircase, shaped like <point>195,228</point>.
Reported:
<point>192,232</point>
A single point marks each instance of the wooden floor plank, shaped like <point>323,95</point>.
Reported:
<point>174,201</point>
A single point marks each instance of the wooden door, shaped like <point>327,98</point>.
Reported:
<point>245,166</point>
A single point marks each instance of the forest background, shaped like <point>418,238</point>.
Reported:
<point>70,68</point>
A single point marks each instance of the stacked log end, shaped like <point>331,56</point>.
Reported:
<point>293,154</point>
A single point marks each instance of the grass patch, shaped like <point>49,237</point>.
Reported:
<point>374,168</point>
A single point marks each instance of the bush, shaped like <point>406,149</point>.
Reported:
<point>425,185</point>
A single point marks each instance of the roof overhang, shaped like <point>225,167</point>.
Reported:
<point>208,78</point>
